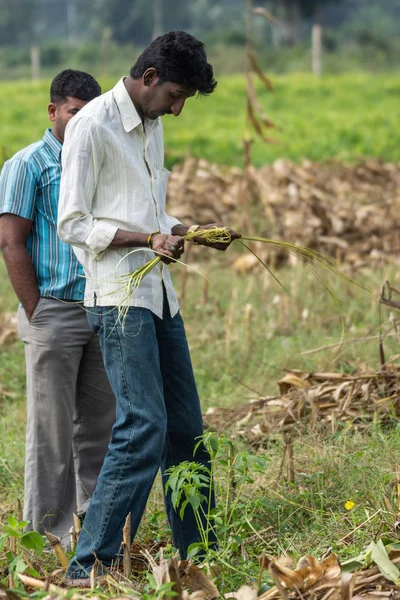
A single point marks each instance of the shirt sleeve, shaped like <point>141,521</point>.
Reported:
<point>18,185</point>
<point>171,222</point>
<point>82,157</point>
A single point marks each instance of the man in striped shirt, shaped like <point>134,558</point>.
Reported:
<point>70,406</point>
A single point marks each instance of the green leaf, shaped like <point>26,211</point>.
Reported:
<point>182,510</point>
<point>33,541</point>
<point>2,540</point>
<point>11,531</point>
<point>204,478</point>
<point>172,481</point>
<point>18,565</point>
<point>264,587</point>
<point>175,498</point>
<point>194,500</point>
<point>238,539</point>
<point>213,441</point>
<point>193,550</point>
<point>152,581</point>
<point>12,521</point>
<point>392,546</point>
<point>197,447</point>
<point>381,559</point>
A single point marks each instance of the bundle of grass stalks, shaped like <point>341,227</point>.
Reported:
<point>222,235</point>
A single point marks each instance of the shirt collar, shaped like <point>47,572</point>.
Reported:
<point>129,115</point>
<point>53,144</point>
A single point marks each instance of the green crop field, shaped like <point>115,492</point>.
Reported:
<point>345,117</point>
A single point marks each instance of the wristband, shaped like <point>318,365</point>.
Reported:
<point>150,236</point>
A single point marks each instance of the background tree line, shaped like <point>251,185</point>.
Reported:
<point>94,32</point>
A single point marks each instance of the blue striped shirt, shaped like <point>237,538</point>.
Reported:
<point>29,188</point>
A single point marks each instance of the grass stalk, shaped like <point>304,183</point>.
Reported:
<point>126,533</point>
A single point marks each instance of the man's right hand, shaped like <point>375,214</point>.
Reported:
<point>30,307</point>
<point>170,246</point>
<point>14,232</point>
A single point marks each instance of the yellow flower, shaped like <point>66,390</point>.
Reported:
<point>349,505</point>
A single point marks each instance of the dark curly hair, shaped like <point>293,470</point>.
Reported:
<point>180,58</point>
<point>75,84</point>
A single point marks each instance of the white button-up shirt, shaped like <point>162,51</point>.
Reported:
<point>113,178</point>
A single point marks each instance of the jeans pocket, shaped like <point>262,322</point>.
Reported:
<point>128,325</point>
<point>131,328</point>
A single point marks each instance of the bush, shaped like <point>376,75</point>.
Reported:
<point>53,54</point>
<point>12,57</point>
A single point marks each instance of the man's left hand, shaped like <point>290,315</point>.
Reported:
<point>235,235</point>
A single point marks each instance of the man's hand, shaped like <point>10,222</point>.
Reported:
<point>30,307</point>
<point>171,246</point>
<point>14,232</point>
<point>217,245</point>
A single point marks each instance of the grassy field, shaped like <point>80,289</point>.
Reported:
<point>244,332</point>
<point>345,117</point>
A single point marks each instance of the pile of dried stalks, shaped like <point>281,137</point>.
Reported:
<point>314,400</point>
<point>337,209</point>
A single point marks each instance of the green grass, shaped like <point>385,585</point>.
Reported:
<point>234,362</point>
<point>347,117</point>
<point>244,331</point>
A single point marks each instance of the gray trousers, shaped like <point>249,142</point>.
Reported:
<point>70,414</point>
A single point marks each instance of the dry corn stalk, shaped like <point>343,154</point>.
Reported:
<point>256,120</point>
<point>58,549</point>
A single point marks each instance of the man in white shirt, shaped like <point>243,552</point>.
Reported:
<point>112,199</point>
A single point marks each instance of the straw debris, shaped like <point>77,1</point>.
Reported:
<point>372,575</point>
<point>314,401</point>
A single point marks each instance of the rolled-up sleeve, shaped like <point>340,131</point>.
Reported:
<point>82,157</point>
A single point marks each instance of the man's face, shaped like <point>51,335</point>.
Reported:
<point>164,99</point>
<point>62,112</point>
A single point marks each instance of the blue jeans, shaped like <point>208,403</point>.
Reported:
<point>158,420</point>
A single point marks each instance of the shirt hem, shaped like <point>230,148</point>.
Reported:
<point>112,302</point>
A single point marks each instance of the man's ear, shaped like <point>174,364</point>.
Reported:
<point>150,76</point>
<point>51,110</point>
